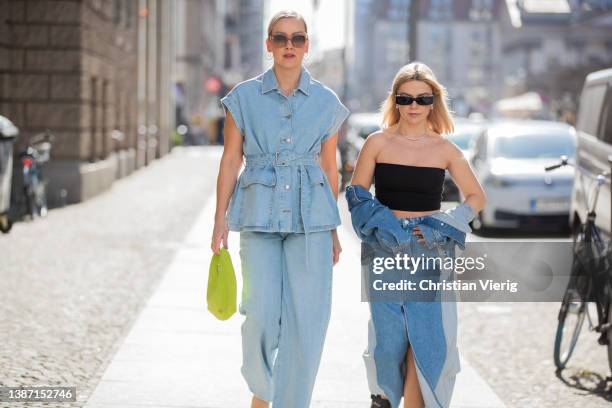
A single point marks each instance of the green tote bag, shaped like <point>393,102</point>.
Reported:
<point>221,290</point>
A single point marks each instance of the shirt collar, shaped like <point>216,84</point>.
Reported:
<point>269,81</point>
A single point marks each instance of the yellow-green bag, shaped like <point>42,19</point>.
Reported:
<point>221,290</point>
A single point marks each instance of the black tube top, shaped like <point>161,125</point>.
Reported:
<point>409,188</point>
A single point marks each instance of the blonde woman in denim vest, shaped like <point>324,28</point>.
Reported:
<point>412,352</point>
<point>285,125</point>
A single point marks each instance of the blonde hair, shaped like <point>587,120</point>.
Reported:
<point>439,119</point>
<point>286,14</point>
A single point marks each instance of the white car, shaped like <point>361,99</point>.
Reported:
<point>509,159</point>
<point>466,132</point>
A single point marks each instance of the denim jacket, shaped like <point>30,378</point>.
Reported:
<point>282,187</point>
<point>375,222</point>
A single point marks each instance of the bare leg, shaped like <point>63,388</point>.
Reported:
<point>259,403</point>
<point>412,391</point>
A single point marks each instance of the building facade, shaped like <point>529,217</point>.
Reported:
<point>460,40</point>
<point>380,38</point>
<point>97,74</point>
<point>550,47</point>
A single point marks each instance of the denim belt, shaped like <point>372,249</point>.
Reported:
<point>291,159</point>
<point>284,158</point>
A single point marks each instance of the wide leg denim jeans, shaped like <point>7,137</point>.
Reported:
<point>287,309</point>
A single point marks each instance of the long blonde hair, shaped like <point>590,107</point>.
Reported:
<point>439,119</point>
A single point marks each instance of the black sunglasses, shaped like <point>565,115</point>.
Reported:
<point>407,99</point>
<point>280,40</point>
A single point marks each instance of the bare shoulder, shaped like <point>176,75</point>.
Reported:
<point>451,151</point>
<point>375,141</point>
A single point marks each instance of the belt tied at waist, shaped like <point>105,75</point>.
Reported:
<point>283,159</point>
<point>290,159</point>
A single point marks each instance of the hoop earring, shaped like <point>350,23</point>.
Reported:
<point>268,56</point>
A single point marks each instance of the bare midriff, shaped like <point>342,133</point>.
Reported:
<point>405,214</point>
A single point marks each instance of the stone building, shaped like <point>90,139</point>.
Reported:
<point>97,74</point>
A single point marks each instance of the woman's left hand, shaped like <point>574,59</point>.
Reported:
<point>336,246</point>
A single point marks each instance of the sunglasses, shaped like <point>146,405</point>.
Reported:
<point>280,40</point>
<point>407,99</point>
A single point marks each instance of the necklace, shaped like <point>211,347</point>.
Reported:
<point>413,138</point>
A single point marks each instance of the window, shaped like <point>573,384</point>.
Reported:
<point>123,13</point>
<point>129,14</point>
<point>481,10</point>
<point>590,109</point>
<point>117,12</point>
<point>605,128</point>
<point>440,9</point>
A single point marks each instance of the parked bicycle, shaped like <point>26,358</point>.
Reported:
<point>590,278</point>
<point>36,153</point>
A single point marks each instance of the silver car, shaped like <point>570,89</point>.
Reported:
<point>466,132</point>
<point>509,160</point>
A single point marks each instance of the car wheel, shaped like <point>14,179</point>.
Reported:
<point>478,225</point>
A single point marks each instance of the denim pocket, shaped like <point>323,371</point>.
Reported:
<point>256,196</point>
<point>323,207</point>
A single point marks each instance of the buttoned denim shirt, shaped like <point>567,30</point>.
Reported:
<point>283,187</point>
<point>375,223</point>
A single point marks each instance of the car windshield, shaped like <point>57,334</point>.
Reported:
<point>527,146</point>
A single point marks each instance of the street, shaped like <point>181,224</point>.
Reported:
<point>109,296</point>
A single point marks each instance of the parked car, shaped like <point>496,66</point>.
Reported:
<point>509,159</point>
<point>359,126</point>
<point>466,132</point>
<point>594,145</point>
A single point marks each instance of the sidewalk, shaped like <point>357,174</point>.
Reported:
<point>178,355</point>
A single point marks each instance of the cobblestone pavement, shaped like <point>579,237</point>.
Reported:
<point>511,345</point>
<point>72,284</point>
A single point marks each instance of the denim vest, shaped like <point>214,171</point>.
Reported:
<point>375,223</point>
<point>282,187</point>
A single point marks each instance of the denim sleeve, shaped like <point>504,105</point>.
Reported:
<point>463,212</point>
<point>231,103</point>
<point>340,114</point>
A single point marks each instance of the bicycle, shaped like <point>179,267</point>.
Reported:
<point>590,279</point>
<point>36,153</point>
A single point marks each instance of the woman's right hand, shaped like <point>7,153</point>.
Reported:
<point>220,233</point>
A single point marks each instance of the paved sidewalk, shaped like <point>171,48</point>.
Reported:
<point>178,355</point>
